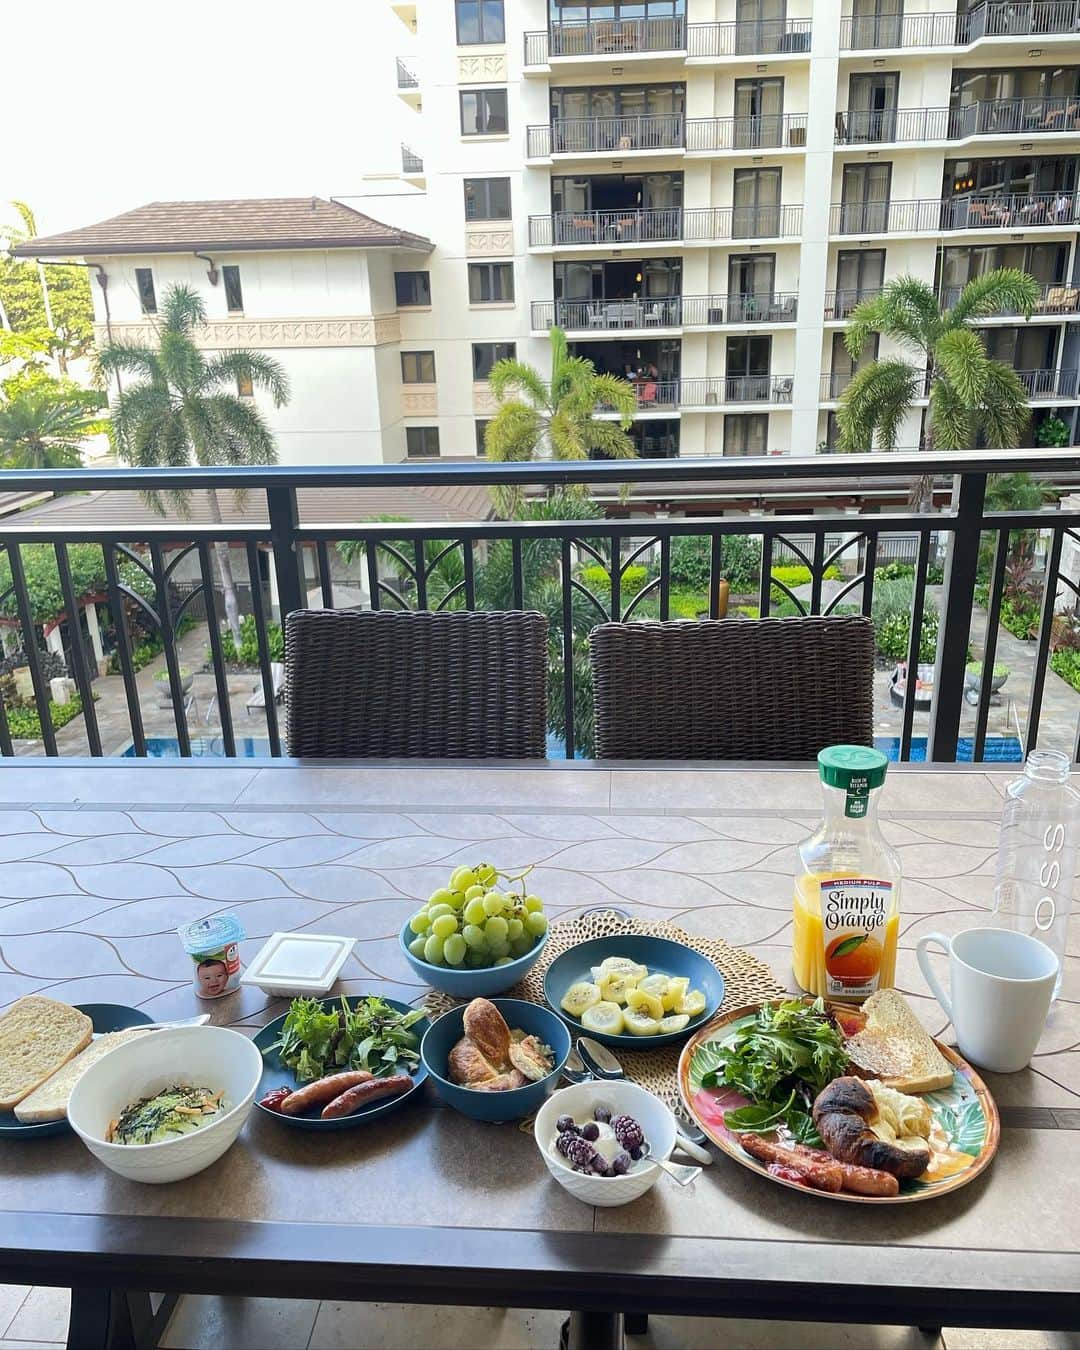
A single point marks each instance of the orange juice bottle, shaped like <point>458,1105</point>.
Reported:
<point>847,884</point>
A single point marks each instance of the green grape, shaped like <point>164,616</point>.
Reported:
<point>435,910</point>
<point>494,902</point>
<point>498,949</point>
<point>485,873</point>
<point>416,946</point>
<point>503,961</point>
<point>433,949</point>
<point>536,924</point>
<point>454,949</point>
<point>522,944</point>
<point>461,878</point>
<point>444,926</point>
<point>473,935</point>
<point>533,904</point>
<point>457,899</point>
<point>475,911</point>
<point>475,959</point>
<point>496,929</point>
<point>440,897</point>
<point>474,892</point>
<point>515,929</point>
<point>420,921</point>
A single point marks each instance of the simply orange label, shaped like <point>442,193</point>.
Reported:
<point>854,912</point>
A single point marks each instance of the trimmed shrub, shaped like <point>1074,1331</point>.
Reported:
<point>248,653</point>
<point>740,561</point>
<point>25,725</point>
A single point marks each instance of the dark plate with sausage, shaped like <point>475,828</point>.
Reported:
<point>353,1099</point>
<point>965,1128</point>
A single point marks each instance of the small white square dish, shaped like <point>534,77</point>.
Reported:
<point>298,963</point>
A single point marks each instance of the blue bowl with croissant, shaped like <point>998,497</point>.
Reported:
<point>496,1059</point>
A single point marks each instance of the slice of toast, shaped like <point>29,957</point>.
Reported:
<point>50,1100</point>
<point>37,1037</point>
<point>894,1047</point>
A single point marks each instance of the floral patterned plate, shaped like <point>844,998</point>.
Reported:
<point>965,1114</point>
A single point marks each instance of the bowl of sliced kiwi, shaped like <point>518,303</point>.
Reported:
<point>634,989</point>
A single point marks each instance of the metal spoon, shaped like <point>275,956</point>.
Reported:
<point>679,1172</point>
<point>164,1026</point>
<point>605,1065</point>
<point>575,1068</point>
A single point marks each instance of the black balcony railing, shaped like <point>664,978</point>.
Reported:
<point>839,304</point>
<point>411,162</point>
<point>771,131</point>
<point>661,224</point>
<point>1049,384</point>
<point>394,565</point>
<point>406,77</point>
<point>1055,298</point>
<point>987,117</point>
<point>1000,18</point>
<point>607,135</point>
<point>606,37</point>
<point>665,311</point>
<point>987,211</point>
<point>757,37</point>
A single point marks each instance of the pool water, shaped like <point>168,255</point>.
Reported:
<point>996,750</point>
<point>202,747</point>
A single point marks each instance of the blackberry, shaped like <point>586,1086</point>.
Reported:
<point>577,1151</point>
<point>628,1132</point>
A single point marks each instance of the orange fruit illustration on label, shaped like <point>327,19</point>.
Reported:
<point>853,958</point>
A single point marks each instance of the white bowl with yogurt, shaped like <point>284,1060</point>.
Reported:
<point>621,1099</point>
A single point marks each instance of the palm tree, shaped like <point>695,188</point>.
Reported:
<point>179,413</point>
<point>970,394</point>
<point>555,418</point>
<point>44,425</point>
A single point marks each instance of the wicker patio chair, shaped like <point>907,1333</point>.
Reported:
<point>432,685</point>
<point>777,689</point>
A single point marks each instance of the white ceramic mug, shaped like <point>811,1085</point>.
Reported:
<point>1000,985</point>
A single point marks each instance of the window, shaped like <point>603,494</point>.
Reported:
<point>421,442</point>
<point>485,354</point>
<point>483,112</point>
<point>487,198</point>
<point>144,281</point>
<point>245,388</point>
<point>234,295</point>
<point>491,283</point>
<point>418,367</point>
<point>479,21</point>
<point>746,435</point>
<point>481,429</point>
<point>413,288</point>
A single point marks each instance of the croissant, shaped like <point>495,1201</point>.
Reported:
<point>488,1058</point>
<point>846,1112</point>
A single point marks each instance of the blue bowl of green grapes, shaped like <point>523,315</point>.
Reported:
<point>477,935</point>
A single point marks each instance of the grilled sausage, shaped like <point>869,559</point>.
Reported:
<point>858,1180</point>
<point>322,1090</point>
<point>363,1093</point>
<point>823,1175</point>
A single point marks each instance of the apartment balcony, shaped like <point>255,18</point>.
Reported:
<point>839,304</point>
<point>412,166</point>
<point>690,225</point>
<point>671,312</point>
<point>999,20</point>
<point>408,83</point>
<point>588,39</point>
<point>1055,299</point>
<point>1054,386</point>
<point>710,393</point>
<point>739,134</point>
<point>990,118</point>
<point>746,38</point>
<point>583,136</point>
<point>596,42</point>
<point>986,214</point>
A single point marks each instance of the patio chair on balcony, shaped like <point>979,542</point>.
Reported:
<point>769,689</point>
<point>397,684</point>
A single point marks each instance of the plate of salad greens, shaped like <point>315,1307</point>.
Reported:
<point>757,1070</point>
<point>318,1037</point>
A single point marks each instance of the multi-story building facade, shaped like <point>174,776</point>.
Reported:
<point>699,191</point>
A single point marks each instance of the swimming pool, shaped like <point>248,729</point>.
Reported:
<point>202,747</point>
<point>996,750</point>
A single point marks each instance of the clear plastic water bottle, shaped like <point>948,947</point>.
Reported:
<point>1036,863</point>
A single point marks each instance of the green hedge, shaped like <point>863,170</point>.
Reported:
<point>1066,663</point>
<point>25,725</point>
<point>248,652</point>
<point>691,559</point>
<point>598,578</point>
<point>796,574</point>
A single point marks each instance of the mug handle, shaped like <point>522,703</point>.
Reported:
<point>934,940</point>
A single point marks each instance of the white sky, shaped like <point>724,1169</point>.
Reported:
<point>113,103</point>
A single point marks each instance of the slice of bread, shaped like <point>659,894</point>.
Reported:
<point>50,1100</point>
<point>37,1037</point>
<point>894,1047</point>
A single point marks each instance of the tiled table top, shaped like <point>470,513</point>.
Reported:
<point>99,863</point>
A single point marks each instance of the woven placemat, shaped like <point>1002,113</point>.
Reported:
<point>746,980</point>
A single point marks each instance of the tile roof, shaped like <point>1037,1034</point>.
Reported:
<point>255,223</point>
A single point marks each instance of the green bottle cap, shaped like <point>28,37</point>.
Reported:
<point>856,770</point>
